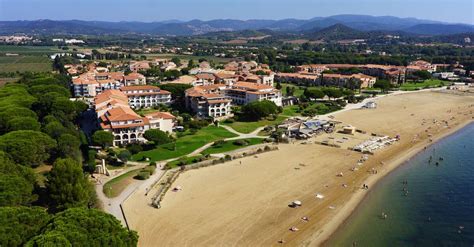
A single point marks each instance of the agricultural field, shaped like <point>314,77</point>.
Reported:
<point>29,50</point>
<point>22,63</point>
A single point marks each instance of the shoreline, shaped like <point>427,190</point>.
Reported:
<point>330,229</point>
<point>246,201</point>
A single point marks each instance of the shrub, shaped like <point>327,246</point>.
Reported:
<point>157,136</point>
<point>124,155</point>
<point>229,120</point>
<point>272,117</point>
<point>227,157</point>
<point>153,163</point>
<point>134,148</point>
<point>143,175</point>
<point>259,109</point>
<point>267,148</point>
<point>198,124</point>
<point>149,169</point>
<point>241,143</point>
<point>182,162</point>
<point>218,143</point>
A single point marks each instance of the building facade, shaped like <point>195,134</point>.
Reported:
<point>116,116</point>
<point>209,101</point>
<point>146,96</point>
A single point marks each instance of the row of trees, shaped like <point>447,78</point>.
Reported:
<point>38,127</point>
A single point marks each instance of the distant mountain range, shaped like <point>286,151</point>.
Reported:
<point>197,27</point>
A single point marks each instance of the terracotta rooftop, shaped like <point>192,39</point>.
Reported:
<point>122,114</point>
<point>251,86</point>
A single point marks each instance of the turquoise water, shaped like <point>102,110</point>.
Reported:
<point>438,209</point>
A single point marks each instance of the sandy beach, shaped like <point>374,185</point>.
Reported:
<point>245,202</point>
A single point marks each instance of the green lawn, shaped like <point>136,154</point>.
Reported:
<point>248,127</point>
<point>115,186</point>
<point>187,160</point>
<point>185,144</point>
<point>299,90</point>
<point>291,111</point>
<point>421,85</point>
<point>228,146</point>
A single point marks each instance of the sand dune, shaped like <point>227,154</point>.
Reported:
<point>247,204</point>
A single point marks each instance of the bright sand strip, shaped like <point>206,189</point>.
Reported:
<point>246,204</point>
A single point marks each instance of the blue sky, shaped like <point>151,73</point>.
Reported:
<point>461,11</point>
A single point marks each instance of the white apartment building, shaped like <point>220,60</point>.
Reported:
<point>116,116</point>
<point>209,101</point>
<point>146,96</point>
<point>243,93</point>
<point>91,84</point>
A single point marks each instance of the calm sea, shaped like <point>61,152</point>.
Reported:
<point>438,209</point>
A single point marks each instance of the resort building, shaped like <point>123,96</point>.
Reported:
<point>337,80</point>
<point>421,65</point>
<point>243,93</point>
<point>226,78</point>
<point>395,74</point>
<point>92,83</point>
<point>115,115</point>
<point>209,101</point>
<point>349,81</point>
<point>297,78</point>
<point>312,68</point>
<point>134,79</point>
<point>163,121</point>
<point>146,96</point>
<point>139,65</point>
<point>260,79</point>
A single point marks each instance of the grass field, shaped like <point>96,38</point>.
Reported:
<point>185,145</point>
<point>29,50</point>
<point>426,84</point>
<point>228,146</point>
<point>248,127</point>
<point>290,111</point>
<point>187,160</point>
<point>299,90</point>
<point>25,63</point>
<point>115,186</point>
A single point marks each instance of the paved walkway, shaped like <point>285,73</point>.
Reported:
<point>253,134</point>
<point>112,205</point>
